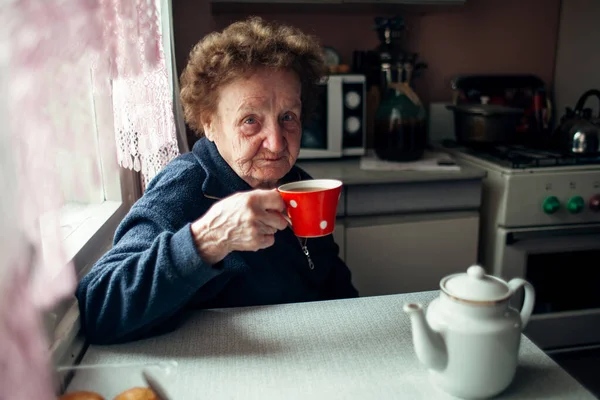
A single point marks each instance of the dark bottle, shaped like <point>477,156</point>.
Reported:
<point>400,127</point>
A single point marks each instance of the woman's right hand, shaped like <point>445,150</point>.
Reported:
<point>245,221</point>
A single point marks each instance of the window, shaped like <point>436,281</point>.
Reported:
<point>97,194</point>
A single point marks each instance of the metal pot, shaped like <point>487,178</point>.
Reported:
<point>485,123</point>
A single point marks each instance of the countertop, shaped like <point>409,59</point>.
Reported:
<point>342,349</point>
<point>349,172</point>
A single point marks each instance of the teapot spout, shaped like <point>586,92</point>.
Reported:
<point>429,345</point>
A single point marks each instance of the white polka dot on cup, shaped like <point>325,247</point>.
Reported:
<point>323,224</point>
<point>293,203</point>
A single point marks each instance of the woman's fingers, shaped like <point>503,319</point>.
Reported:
<point>268,200</point>
<point>248,221</point>
<point>275,219</point>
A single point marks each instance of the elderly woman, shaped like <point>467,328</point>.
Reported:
<point>209,230</point>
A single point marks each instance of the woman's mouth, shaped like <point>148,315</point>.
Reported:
<point>273,158</point>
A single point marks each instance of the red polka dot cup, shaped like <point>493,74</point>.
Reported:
<point>312,205</point>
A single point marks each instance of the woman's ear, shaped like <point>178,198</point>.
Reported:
<point>207,127</point>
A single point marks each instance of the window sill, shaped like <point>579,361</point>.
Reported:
<point>80,222</point>
<point>88,231</point>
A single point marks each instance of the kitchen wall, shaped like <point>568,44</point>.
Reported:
<point>483,36</point>
<point>578,53</point>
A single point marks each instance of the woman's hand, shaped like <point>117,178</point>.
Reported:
<point>244,221</point>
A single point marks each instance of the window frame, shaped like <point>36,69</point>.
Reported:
<point>94,233</point>
<point>63,323</point>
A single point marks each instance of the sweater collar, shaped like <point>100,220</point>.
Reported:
<point>221,180</point>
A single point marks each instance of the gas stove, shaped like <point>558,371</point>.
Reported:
<point>540,221</point>
<point>523,157</point>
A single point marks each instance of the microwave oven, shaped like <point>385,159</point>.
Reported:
<point>337,128</point>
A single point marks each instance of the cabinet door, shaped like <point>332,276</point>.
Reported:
<point>339,237</point>
<point>409,254</point>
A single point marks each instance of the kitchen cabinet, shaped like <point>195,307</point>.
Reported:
<point>402,254</point>
<point>401,232</point>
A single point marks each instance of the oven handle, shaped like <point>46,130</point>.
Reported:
<point>537,245</point>
<point>512,257</point>
<point>514,236</point>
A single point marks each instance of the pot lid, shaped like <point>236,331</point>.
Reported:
<point>475,286</point>
<point>485,109</point>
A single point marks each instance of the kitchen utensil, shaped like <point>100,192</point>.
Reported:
<point>390,32</point>
<point>485,123</point>
<point>470,338</point>
<point>579,131</point>
<point>526,92</point>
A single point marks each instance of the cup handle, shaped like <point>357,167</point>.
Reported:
<point>528,301</point>
<point>284,215</point>
<point>288,219</point>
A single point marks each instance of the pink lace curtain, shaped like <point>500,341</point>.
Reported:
<point>41,41</point>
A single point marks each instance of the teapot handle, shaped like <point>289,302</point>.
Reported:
<point>528,301</point>
<point>581,102</point>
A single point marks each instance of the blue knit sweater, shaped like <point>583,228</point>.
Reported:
<point>154,271</point>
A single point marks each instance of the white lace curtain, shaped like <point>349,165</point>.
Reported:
<point>40,41</point>
<point>143,103</point>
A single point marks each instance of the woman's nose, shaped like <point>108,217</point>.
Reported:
<point>275,141</point>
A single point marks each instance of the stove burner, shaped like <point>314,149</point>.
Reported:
<point>521,157</point>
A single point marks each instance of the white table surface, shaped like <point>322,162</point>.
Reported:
<point>343,349</point>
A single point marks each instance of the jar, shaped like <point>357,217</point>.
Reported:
<point>400,126</point>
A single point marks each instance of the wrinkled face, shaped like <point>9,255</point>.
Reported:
<point>257,127</point>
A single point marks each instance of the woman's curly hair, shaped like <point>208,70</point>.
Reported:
<point>221,57</point>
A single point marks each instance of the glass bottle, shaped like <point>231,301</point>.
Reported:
<point>400,126</point>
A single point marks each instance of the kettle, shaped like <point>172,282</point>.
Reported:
<point>470,338</point>
<point>579,131</point>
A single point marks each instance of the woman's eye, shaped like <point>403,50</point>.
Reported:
<point>250,121</point>
<point>287,117</point>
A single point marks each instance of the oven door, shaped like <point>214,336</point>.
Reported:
<point>563,265</point>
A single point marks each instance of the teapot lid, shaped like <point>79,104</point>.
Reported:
<point>475,286</point>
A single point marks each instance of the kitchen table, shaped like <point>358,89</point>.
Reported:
<point>342,349</point>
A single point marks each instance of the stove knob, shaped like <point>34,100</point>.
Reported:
<point>551,205</point>
<point>575,204</point>
<point>595,203</point>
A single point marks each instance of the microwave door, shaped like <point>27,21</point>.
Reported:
<point>318,135</point>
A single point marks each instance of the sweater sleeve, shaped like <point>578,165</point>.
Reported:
<point>151,272</point>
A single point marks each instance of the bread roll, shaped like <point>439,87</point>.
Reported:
<point>81,396</point>
<point>137,393</point>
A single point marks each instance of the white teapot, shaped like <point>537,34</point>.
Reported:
<point>470,338</point>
